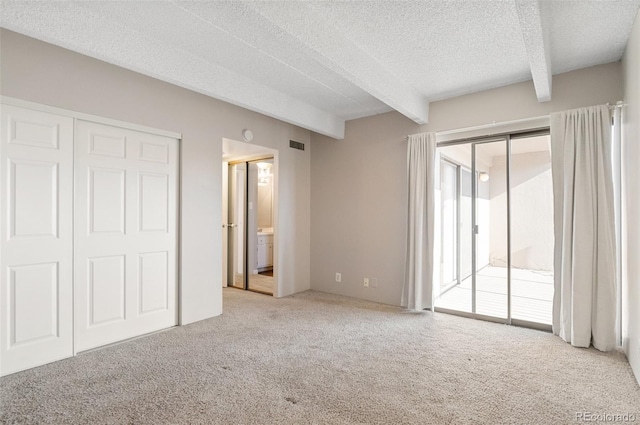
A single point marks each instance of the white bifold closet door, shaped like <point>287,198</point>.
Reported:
<point>125,233</point>
<point>36,239</point>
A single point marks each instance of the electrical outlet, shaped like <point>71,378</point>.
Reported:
<point>374,282</point>
<point>338,277</point>
<point>366,282</point>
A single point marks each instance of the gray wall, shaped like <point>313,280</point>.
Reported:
<point>358,185</point>
<point>631,200</point>
<point>43,73</point>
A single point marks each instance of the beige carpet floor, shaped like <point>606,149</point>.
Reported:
<point>315,358</point>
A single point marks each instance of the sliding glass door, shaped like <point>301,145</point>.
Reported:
<point>449,181</point>
<point>496,229</point>
<point>490,279</point>
<point>531,230</point>
<point>456,224</point>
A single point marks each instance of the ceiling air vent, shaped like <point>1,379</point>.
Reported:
<point>296,145</point>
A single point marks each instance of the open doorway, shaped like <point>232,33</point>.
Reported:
<point>249,217</point>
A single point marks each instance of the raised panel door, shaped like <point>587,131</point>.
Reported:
<point>125,233</point>
<point>36,251</point>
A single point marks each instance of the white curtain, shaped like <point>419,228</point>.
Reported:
<point>584,304</point>
<point>417,293</point>
<point>617,193</point>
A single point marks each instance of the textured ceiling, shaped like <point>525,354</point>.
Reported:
<point>318,63</point>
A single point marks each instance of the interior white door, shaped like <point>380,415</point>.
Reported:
<point>36,287</point>
<point>125,233</point>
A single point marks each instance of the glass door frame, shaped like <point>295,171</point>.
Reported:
<point>473,141</point>
<point>475,226</point>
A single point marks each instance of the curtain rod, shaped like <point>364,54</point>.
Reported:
<point>490,125</point>
<point>521,134</point>
<point>619,104</point>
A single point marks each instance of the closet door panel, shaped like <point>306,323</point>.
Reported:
<point>125,233</point>
<point>36,189</point>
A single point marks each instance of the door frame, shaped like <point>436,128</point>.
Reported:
<point>244,153</point>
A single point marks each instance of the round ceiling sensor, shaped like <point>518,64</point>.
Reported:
<point>247,135</point>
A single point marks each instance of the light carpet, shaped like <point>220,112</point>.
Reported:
<point>324,359</point>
